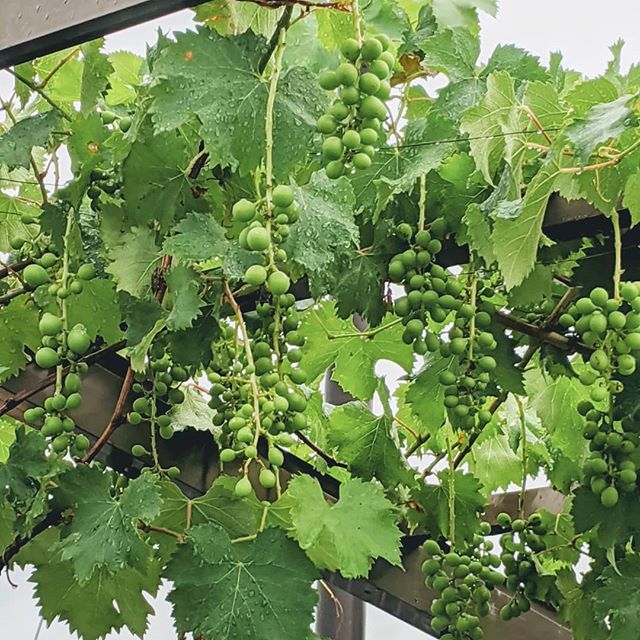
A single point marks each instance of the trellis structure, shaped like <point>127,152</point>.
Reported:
<point>41,29</point>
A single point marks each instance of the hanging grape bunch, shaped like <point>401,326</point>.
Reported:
<point>464,583</point>
<point>352,126</point>
<point>264,229</point>
<point>520,544</point>
<point>102,181</point>
<point>612,327</point>
<point>158,384</point>
<point>431,292</point>
<point>60,346</point>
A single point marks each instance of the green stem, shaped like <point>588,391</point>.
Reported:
<point>63,302</point>
<point>523,439</point>
<point>473,295</point>
<point>452,490</point>
<point>35,88</point>
<point>369,333</point>
<point>153,433</point>
<point>422,202</point>
<point>617,238</point>
<point>357,26</point>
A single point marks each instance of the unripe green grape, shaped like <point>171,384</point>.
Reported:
<point>243,488</point>
<point>61,443</point>
<point>138,451</point>
<point>244,210</point>
<point>347,74</point>
<point>326,124</point>
<point>267,479</point>
<point>389,58</point>
<point>255,275</point>
<point>609,497</point>
<point>629,291</point>
<point>334,169</point>
<point>34,275</point>
<point>50,325</point>
<point>384,90</point>
<point>633,341</point>
<point>278,283</point>
<point>380,69</point>
<point>46,358</point>
<point>372,107</point>
<point>599,360</point>
<point>47,260</point>
<point>339,110</point>
<point>328,80</point>
<point>371,49</point>
<point>73,401</point>
<point>227,455</point>
<point>361,161</point>
<point>599,296</point>
<point>258,239</point>
<point>350,95</point>
<point>351,139</point>
<point>62,292</point>
<point>86,272</point>
<point>368,136</point>
<point>17,242</point>
<point>76,286</point>
<point>350,49</point>
<point>626,364</point>
<point>166,432</point>
<point>78,340</point>
<point>332,148</point>
<point>369,83</point>
<point>176,396</point>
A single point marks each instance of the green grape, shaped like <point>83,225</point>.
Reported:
<point>371,49</point>
<point>361,161</point>
<point>35,276</point>
<point>334,169</point>
<point>372,107</point>
<point>278,283</point>
<point>351,139</point>
<point>243,488</point>
<point>326,124</point>
<point>267,479</point>
<point>350,95</point>
<point>138,451</point>
<point>347,74</point>
<point>328,80</point>
<point>50,325</point>
<point>380,69</point>
<point>255,275</point>
<point>244,210</point>
<point>258,239</point>
<point>46,358</point>
<point>369,83</point>
<point>350,49</point>
<point>86,272</point>
<point>78,340</point>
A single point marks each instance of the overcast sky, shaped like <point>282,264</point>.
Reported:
<point>581,29</point>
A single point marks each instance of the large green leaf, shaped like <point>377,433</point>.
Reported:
<point>17,143</point>
<point>221,588</point>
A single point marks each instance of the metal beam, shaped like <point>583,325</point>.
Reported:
<point>33,28</point>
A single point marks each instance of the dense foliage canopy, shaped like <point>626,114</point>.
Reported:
<point>278,193</point>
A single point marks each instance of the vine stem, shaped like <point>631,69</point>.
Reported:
<point>37,89</point>
<point>523,438</point>
<point>422,203</point>
<point>357,27</point>
<point>63,302</point>
<point>473,296</point>
<point>452,490</point>
<point>617,238</point>
<point>247,349</point>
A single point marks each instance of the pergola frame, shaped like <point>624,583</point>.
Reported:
<point>29,29</point>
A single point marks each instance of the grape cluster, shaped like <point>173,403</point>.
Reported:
<point>109,118</point>
<point>519,545</point>
<point>612,327</point>
<point>264,229</point>
<point>59,344</point>
<point>352,126</point>
<point>431,292</point>
<point>273,373</point>
<point>464,583</point>
<point>102,181</point>
<point>610,469</point>
<point>159,382</point>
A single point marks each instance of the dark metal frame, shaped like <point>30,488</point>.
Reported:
<point>60,28</point>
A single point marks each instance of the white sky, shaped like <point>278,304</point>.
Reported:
<point>581,29</point>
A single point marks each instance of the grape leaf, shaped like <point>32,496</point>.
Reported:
<point>197,237</point>
<point>133,261</point>
<point>588,93</point>
<point>453,13</point>
<point>555,402</point>
<point>334,27</point>
<point>618,600</point>
<point>126,76</point>
<point>193,413</point>
<point>469,504</point>
<point>515,241</point>
<point>17,143</point>
<point>18,330</point>
<point>486,121</point>
<point>229,97</point>
<point>183,285</point>
<point>496,464</point>
<point>601,123</point>
<point>362,513</point>
<point>453,52</point>
<point>106,602</point>
<point>325,236</point>
<point>365,441</point>
<point>154,183</point>
<point>7,436</point>
<point>96,306</point>
<point>11,225</point>
<point>425,394</point>
<point>229,17</point>
<point>632,197</point>
<point>219,587</point>
<point>104,532</point>
<point>7,522</point>
<point>354,356</point>
<point>95,75</point>
<point>517,62</point>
